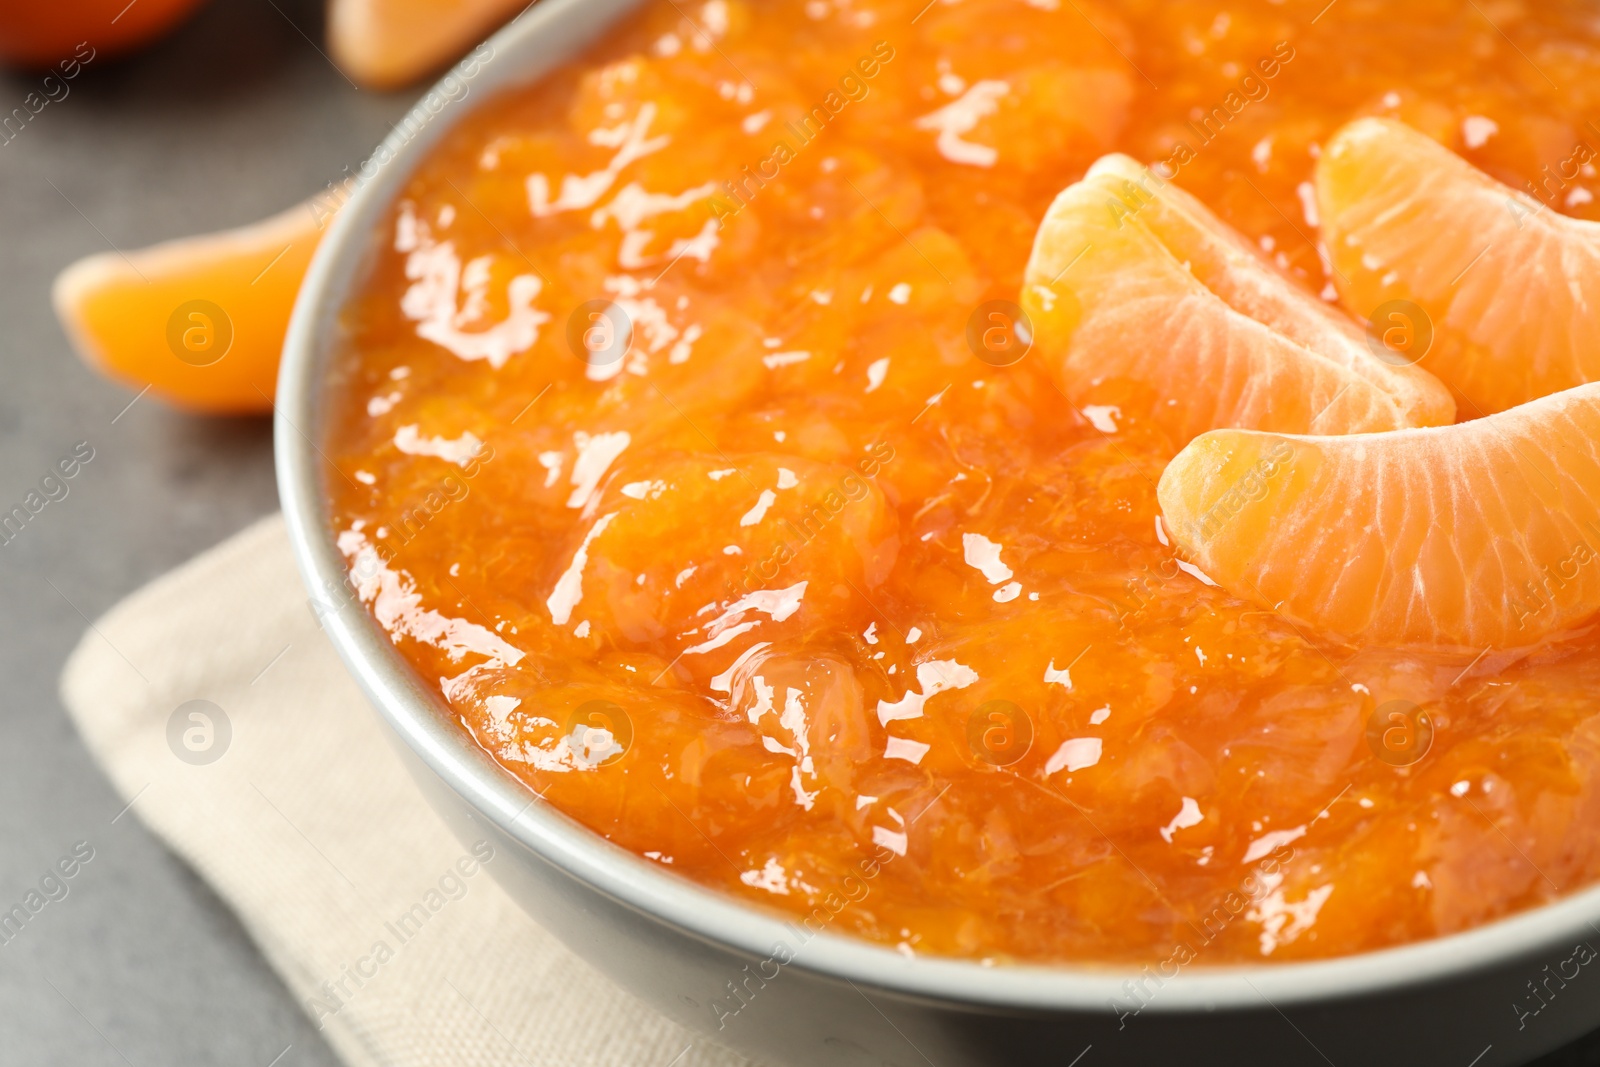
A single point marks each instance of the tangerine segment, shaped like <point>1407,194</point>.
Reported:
<point>1473,535</point>
<point>1509,288</point>
<point>386,44</point>
<point>200,320</point>
<point>1132,278</point>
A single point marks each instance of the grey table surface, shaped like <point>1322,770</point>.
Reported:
<point>235,117</point>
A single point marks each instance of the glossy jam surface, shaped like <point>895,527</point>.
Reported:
<point>802,599</point>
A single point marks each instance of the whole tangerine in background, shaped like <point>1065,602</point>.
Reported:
<point>40,34</point>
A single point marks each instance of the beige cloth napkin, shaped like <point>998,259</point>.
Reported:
<point>311,829</point>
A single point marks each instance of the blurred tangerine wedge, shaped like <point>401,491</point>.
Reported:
<point>385,44</point>
<point>34,34</point>
<point>1485,533</point>
<point>1508,288</point>
<point>201,320</point>
<point>1133,279</point>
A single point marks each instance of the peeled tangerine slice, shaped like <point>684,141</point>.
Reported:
<point>1510,289</point>
<point>385,44</point>
<point>1481,534</point>
<point>199,321</point>
<point>1132,278</point>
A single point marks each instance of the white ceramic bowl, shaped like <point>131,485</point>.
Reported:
<point>696,955</point>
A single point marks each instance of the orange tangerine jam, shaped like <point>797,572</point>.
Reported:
<point>684,433</point>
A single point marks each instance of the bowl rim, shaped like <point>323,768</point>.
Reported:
<point>545,35</point>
